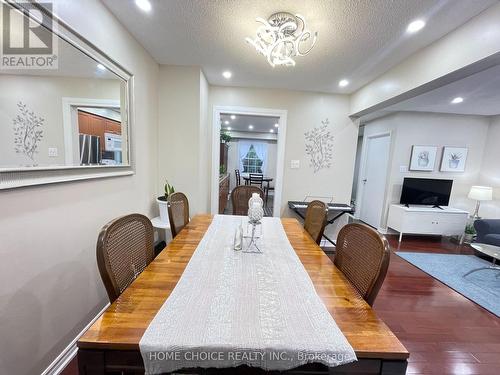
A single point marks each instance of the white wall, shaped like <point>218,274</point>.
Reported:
<point>50,287</point>
<point>306,110</point>
<point>43,95</point>
<point>183,134</point>
<point>490,170</point>
<point>469,43</point>
<point>419,128</point>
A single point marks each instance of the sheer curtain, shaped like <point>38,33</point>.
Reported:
<point>243,148</point>
<point>260,149</point>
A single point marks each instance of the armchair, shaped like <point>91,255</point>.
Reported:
<point>488,231</point>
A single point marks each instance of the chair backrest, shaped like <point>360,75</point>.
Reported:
<point>256,179</point>
<point>315,220</point>
<point>178,212</point>
<point>124,248</point>
<point>362,254</point>
<point>240,196</point>
<point>238,177</point>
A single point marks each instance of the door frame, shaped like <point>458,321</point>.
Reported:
<point>280,157</point>
<point>362,170</point>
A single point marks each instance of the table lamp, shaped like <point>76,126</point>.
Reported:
<point>480,193</point>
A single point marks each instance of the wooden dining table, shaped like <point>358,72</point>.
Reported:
<point>111,344</point>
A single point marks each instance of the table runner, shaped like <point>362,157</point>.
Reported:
<point>231,308</point>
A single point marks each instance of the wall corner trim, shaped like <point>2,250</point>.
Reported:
<point>67,355</point>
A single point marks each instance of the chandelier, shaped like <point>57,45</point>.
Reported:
<point>283,37</point>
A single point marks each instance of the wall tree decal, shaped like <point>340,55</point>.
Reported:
<point>319,146</point>
<point>28,132</point>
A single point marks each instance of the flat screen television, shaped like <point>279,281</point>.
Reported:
<point>426,191</point>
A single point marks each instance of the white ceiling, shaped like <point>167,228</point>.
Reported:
<point>480,91</point>
<point>358,39</point>
<point>261,124</point>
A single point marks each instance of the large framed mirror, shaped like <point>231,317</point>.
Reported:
<point>65,106</point>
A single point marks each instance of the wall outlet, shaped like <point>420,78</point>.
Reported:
<point>53,152</point>
<point>403,168</point>
<point>295,164</point>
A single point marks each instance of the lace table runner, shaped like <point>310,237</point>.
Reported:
<point>232,308</point>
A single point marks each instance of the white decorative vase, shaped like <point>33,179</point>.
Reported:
<point>162,205</point>
<point>255,208</point>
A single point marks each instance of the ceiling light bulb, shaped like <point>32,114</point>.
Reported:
<point>250,126</point>
<point>101,67</point>
<point>233,117</point>
<point>415,26</point>
<point>457,100</point>
<point>226,122</point>
<point>228,128</point>
<point>272,130</point>
<point>144,5</point>
<point>227,74</point>
<point>276,125</point>
<point>343,82</point>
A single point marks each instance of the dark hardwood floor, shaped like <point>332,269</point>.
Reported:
<point>445,332</point>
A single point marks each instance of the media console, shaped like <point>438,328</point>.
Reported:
<point>426,220</point>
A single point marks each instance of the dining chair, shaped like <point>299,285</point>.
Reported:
<point>178,212</point>
<point>124,249</point>
<point>256,179</point>
<point>238,177</point>
<point>362,254</point>
<point>240,196</point>
<point>315,220</point>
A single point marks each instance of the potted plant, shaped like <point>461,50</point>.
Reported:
<point>470,232</point>
<point>225,137</point>
<point>162,202</point>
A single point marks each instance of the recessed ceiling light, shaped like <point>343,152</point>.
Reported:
<point>227,74</point>
<point>276,125</point>
<point>415,26</point>
<point>144,5</point>
<point>343,83</point>
<point>271,130</point>
<point>457,100</point>
<point>228,128</point>
<point>250,126</point>
<point>101,67</point>
<point>226,122</point>
<point>233,117</point>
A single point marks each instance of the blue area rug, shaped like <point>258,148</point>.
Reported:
<point>482,287</point>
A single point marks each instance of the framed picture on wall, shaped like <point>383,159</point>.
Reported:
<point>454,159</point>
<point>423,158</point>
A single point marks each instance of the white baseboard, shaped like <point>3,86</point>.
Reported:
<point>62,360</point>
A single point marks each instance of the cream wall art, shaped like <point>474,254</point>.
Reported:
<point>423,158</point>
<point>319,146</point>
<point>454,159</point>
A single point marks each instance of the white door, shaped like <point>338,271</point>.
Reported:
<point>374,179</point>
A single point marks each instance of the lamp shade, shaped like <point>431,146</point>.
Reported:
<point>481,193</point>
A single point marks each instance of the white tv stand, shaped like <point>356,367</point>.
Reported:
<point>445,221</point>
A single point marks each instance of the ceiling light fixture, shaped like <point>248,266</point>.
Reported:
<point>228,128</point>
<point>415,26</point>
<point>276,125</point>
<point>457,100</point>
<point>227,74</point>
<point>101,67</point>
<point>282,37</point>
<point>144,5</point>
<point>233,117</point>
<point>271,130</point>
<point>250,126</point>
<point>226,122</point>
<point>343,83</point>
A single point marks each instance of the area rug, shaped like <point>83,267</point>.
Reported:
<point>482,287</point>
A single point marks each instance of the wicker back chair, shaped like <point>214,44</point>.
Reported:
<point>238,177</point>
<point>240,196</point>
<point>315,220</point>
<point>178,212</point>
<point>362,254</point>
<point>124,248</point>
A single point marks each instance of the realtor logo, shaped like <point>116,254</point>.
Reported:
<point>27,38</point>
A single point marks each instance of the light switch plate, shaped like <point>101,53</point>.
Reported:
<point>403,168</point>
<point>52,152</point>
<point>295,164</point>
